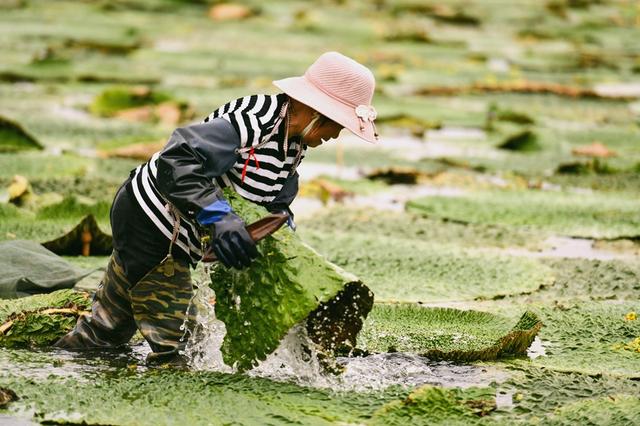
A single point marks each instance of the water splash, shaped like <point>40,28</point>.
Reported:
<point>296,361</point>
<point>203,349</point>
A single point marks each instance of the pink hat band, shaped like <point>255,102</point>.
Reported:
<point>339,88</point>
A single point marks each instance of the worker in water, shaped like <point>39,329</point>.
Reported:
<point>168,206</point>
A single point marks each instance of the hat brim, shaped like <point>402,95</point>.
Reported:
<point>300,89</point>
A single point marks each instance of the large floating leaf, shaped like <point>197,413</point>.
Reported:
<point>429,405</point>
<point>589,338</point>
<point>85,239</point>
<point>419,270</point>
<point>14,138</point>
<point>594,214</point>
<point>116,99</point>
<point>287,284</point>
<point>40,320</point>
<point>448,334</point>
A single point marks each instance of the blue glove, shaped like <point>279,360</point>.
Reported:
<point>230,241</point>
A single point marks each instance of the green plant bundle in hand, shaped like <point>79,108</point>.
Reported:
<point>288,284</point>
<point>40,320</point>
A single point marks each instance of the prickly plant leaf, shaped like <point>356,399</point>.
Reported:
<point>433,405</point>
<point>444,333</point>
<point>525,141</point>
<point>14,138</point>
<point>40,320</point>
<point>115,99</point>
<point>284,286</point>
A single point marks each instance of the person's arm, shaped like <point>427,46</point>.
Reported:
<point>192,158</point>
<point>187,166</point>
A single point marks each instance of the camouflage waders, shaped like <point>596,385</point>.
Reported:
<point>156,304</point>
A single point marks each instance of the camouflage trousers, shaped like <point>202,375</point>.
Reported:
<point>156,305</point>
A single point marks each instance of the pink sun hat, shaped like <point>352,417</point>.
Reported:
<point>338,88</point>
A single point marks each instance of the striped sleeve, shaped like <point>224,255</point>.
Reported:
<point>249,115</point>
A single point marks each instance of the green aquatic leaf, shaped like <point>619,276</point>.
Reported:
<point>405,268</point>
<point>40,320</point>
<point>115,99</point>
<point>576,214</point>
<point>447,334</point>
<point>430,405</point>
<point>14,138</point>
<point>287,284</point>
<point>525,141</point>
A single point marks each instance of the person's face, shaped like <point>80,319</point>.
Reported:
<point>324,130</point>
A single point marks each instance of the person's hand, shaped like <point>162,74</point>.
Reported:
<point>231,242</point>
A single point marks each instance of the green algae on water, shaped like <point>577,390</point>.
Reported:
<point>288,283</point>
<point>445,333</point>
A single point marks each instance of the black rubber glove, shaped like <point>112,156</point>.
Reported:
<point>231,242</point>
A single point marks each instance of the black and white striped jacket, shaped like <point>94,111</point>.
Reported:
<point>240,145</point>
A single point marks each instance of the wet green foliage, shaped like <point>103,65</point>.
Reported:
<point>585,338</point>
<point>444,333</point>
<point>207,398</point>
<point>279,290</point>
<point>14,138</point>
<point>613,409</point>
<point>595,215</point>
<point>115,99</point>
<point>419,270</point>
<point>430,405</point>
<point>410,226</point>
<point>586,280</point>
<point>525,141</point>
<point>540,393</point>
<point>58,57</point>
<point>32,325</point>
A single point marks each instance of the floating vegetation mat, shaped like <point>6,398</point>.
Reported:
<point>416,270</point>
<point>50,222</point>
<point>417,227</point>
<point>429,405</point>
<point>288,284</point>
<point>591,280</point>
<point>158,397</point>
<point>454,81</point>
<point>591,214</point>
<point>446,334</point>
<point>40,320</point>
<point>553,396</point>
<point>590,338</point>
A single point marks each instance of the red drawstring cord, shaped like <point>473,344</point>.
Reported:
<point>246,163</point>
